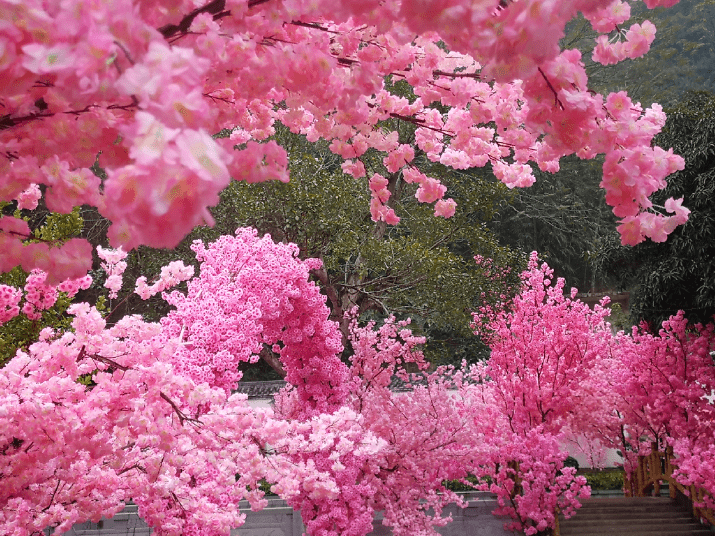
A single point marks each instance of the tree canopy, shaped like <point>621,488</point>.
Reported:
<point>145,92</point>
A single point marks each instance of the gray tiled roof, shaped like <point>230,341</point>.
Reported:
<point>268,389</point>
<point>261,389</point>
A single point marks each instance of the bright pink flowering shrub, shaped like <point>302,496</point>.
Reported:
<point>158,422</point>
<point>544,349</point>
<point>530,480</point>
<point>543,382</point>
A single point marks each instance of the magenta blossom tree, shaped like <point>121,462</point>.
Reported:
<point>543,381</point>
<point>664,385</point>
<point>546,351</point>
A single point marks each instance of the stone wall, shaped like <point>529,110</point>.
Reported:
<point>277,519</point>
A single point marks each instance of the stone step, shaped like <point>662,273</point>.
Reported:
<point>642,511</point>
<point>628,516</point>
<point>644,532</point>
<point>620,502</point>
<point>658,519</point>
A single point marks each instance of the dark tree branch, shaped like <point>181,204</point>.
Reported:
<point>217,8</point>
<point>273,361</point>
<point>182,416</point>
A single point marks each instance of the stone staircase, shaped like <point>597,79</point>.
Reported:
<point>633,516</point>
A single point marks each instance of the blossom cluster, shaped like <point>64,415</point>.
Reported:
<point>140,87</point>
<point>9,303</point>
<point>38,295</point>
<point>114,265</point>
<point>171,275</point>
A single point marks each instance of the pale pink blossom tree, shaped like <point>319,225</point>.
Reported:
<point>142,86</point>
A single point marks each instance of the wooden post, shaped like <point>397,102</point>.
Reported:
<point>672,491</point>
<point>640,477</point>
<point>557,523</point>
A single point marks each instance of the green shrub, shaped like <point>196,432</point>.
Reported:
<point>571,462</point>
<point>457,485</point>
<point>605,480</point>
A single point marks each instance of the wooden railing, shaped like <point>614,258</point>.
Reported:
<point>658,467</point>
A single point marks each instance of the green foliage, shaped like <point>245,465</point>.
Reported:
<point>570,461</point>
<point>563,216</point>
<point>20,332</point>
<point>60,226</point>
<point>679,273</point>
<point>619,320</point>
<point>458,485</point>
<point>604,480</point>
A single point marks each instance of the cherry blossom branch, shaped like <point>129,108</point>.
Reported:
<point>214,8</point>
<point>106,360</point>
<point>7,121</point>
<point>52,499</point>
<point>438,72</point>
<point>217,8</point>
<point>182,416</point>
<point>551,87</point>
<point>135,466</point>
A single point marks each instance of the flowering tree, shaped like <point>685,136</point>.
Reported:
<point>140,86</point>
<point>545,349</point>
<point>663,385</point>
<point>158,422</point>
<point>544,380</point>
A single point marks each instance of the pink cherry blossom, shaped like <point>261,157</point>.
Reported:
<point>430,190</point>
<point>29,198</point>
<point>143,87</point>
<point>9,303</point>
<point>445,208</point>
